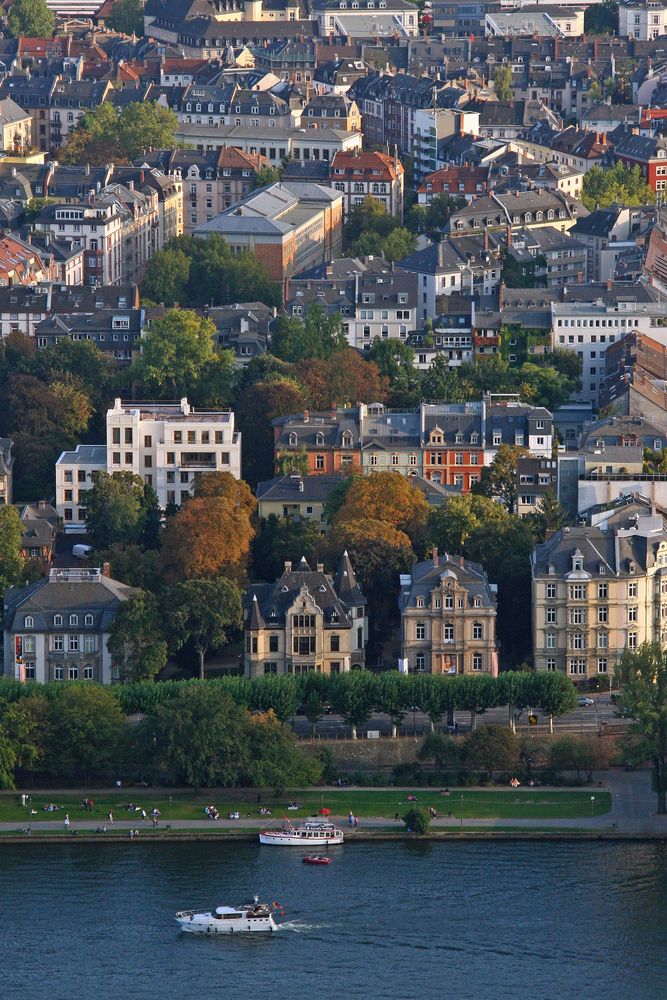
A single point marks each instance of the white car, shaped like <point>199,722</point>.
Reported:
<point>586,702</point>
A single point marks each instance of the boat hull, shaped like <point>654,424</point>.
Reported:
<point>201,923</point>
<point>278,839</point>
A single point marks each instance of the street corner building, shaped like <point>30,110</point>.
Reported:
<point>599,588</point>
<point>448,617</point>
<point>57,628</point>
<point>306,621</point>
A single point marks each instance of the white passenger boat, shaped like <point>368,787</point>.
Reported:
<point>311,832</point>
<point>249,917</point>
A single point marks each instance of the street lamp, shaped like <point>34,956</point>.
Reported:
<point>592,805</point>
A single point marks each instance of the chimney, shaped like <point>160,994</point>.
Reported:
<point>610,284</point>
<point>509,236</point>
<point>461,562</point>
<point>320,567</point>
<point>106,569</point>
<point>436,560</point>
<point>486,238</point>
<point>288,566</point>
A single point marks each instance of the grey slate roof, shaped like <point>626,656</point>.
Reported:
<point>55,594</point>
<point>273,601</point>
<point>425,577</point>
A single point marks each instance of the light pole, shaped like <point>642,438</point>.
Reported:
<point>592,805</point>
<point>170,798</point>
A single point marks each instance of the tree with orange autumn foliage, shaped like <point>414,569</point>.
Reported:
<point>345,378</point>
<point>211,534</point>
<point>386,498</point>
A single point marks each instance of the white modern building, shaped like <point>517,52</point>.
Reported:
<point>642,19</point>
<point>168,445</point>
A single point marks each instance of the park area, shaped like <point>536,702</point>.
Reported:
<point>497,803</point>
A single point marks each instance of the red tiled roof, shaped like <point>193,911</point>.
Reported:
<point>363,164</point>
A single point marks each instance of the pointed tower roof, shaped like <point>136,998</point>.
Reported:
<point>346,584</point>
<point>303,565</point>
<point>255,619</point>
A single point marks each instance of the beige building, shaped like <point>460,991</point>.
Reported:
<point>16,125</point>
<point>448,617</point>
<point>599,589</point>
<point>306,621</point>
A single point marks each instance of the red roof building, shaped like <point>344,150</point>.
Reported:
<point>360,175</point>
<point>469,182</point>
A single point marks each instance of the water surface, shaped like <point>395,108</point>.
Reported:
<point>469,921</point>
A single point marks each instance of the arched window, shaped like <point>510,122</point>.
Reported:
<point>319,439</point>
<point>420,602</point>
<point>73,672</point>
<point>74,619</point>
<point>28,622</point>
<point>293,439</point>
<point>57,620</point>
<point>89,620</point>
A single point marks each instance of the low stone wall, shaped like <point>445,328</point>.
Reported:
<point>368,755</point>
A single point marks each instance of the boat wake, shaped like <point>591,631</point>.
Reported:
<point>299,926</point>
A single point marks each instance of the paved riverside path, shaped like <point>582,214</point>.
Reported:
<point>633,812</point>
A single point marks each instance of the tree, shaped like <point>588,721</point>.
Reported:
<point>266,176</point>
<point>492,748</point>
<point>136,639</point>
<point>27,724</point>
<point>279,540</point>
<point>275,760</point>
<point>342,379</point>
<point>577,753</point>
<point>554,694</point>
<point>441,749</point>
<point>475,695</point>
<point>82,360</point>
<point>434,695</point>
<point>293,462</point>
<point>601,19</point>
<point>34,207</point>
<point>500,478</point>
<point>550,516</point>
<point>255,408</point>
<point>201,613</point>
<point>502,83</point>
<point>642,676</point>
<point>417,821</point>
<point>120,134</point>
<point>7,760</point>
<point>395,362</point>
<point>276,694</point>
<point>115,511</point>
<point>166,277</point>
<point>615,185</point>
<point>395,246</point>
<point>354,696</point>
<point>393,697</point>
<point>450,526</point>
<point>11,560</point>
<point>385,498</point>
<point>314,697</point>
<point>30,19</point>
<point>211,533</point>
<point>199,738</point>
<point>514,690</point>
<point>174,354</point>
<point>369,217</point>
<point>87,728</point>
<point>126,17</point>
<point>320,336</point>
<point>443,383</point>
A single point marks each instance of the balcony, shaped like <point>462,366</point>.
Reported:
<point>198,460</point>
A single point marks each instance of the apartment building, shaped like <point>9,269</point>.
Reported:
<point>362,175</point>
<point>275,145</point>
<point>528,209</point>
<point>599,589</point>
<point>536,479</point>
<point>642,19</point>
<point>15,127</point>
<point>606,233</point>
<point>306,621</point>
<point>168,445</point>
<point>58,628</point>
<point>331,14</point>
<point>448,617</point>
<point>296,496</point>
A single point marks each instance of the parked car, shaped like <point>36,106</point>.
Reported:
<point>586,702</point>
<point>81,551</point>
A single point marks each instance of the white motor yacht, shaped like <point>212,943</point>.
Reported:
<point>249,917</point>
<point>312,832</point>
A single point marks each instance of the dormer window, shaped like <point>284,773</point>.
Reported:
<point>577,562</point>
<point>293,439</point>
<point>319,439</point>
<point>551,569</point>
<point>420,602</point>
<point>459,437</point>
<point>89,620</point>
<point>28,622</point>
<point>74,619</point>
<point>632,567</point>
<point>477,602</point>
<point>57,620</point>
<point>474,438</point>
<point>347,439</point>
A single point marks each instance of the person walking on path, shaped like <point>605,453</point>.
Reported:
<point>110,817</point>
<point>67,821</point>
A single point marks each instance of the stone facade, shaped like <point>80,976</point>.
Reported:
<point>306,621</point>
<point>448,618</point>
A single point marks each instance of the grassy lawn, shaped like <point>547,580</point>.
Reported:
<point>492,804</point>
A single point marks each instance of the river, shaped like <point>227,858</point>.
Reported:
<point>464,920</point>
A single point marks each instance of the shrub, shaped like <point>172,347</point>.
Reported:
<point>417,820</point>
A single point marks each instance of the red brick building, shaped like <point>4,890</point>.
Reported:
<point>329,440</point>
<point>647,153</point>
<point>359,175</point>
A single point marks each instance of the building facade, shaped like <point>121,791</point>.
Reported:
<point>57,628</point>
<point>599,589</point>
<point>306,621</point>
<point>448,618</point>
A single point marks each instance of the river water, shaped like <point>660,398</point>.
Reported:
<point>469,921</point>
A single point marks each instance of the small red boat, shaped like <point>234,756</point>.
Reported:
<point>316,859</point>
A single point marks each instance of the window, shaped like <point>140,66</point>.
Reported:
<point>577,666</point>
<point>477,630</point>
<point>602,591</point>
<point>602,665</point>
<point>578,641</point>
<point>73,643</point>
<point>57,644</point>
<point>603,614</point>
<point>73,672</point>
<point>551,591</point>
<point>551,664</point>
<point>335,643</point>
<point>57,620</point>
<point>632,614</point>
<point>632,640</point>
<point>89,643</point>
<point>577,616</point>
<point>89,620</point>
<point>449,633</point>
<point>270,668</point>
<point>319,461</point>
<point>551,640</point>
<point>551,616</point>
<point>28,643</point>
<point>577,592</point>
<point>632,591</point>
<point>57,673</point>
<point>74,619</point>
<point>476,661</point>
<point>420,631</point>
<point>602,640</point>
<point>28,622</point>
